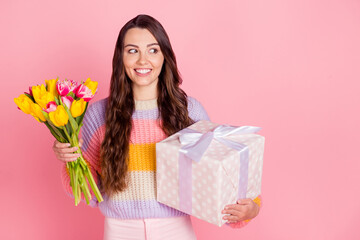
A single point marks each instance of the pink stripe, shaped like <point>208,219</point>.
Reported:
<point>91,152</point>
<point>146,131</point>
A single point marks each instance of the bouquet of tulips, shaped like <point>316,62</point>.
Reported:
<point>61,106</point>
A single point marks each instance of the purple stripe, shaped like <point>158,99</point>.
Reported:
<point>146,114</point>
<point>132,209</point>
<point>94,118</point>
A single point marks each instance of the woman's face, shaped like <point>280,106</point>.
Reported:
<point>143,58</point>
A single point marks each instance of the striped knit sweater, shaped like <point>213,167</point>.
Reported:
<point>138,200</point>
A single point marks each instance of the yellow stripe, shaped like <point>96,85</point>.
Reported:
<point>142,157</point>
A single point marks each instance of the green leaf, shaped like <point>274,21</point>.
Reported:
<point>78,130</point>
<point>56,135</point>
<point>57,101</point>
<point>68,128</point>
<point>46,115</point>
<point>71,94</point>
<point>57,131</point>
<point>29,96</point>
<point>67,134</point>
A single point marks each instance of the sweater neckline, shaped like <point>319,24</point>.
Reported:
<point>145,104</point>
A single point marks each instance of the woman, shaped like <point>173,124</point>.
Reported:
<point>145,105</point>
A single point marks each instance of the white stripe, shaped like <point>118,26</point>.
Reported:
<point>145,104</point>
<point>142,186</point>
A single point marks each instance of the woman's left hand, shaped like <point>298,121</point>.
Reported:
<point>244,209</point>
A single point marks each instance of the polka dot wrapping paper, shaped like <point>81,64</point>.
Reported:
<point>222,175</point>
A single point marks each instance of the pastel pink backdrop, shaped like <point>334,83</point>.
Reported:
<point>291,67</point>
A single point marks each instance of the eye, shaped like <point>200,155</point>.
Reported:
<point>132,50</point>
<point>153,50</point>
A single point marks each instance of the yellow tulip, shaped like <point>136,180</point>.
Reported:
<point>41,96</point>
<point>51,87</point>
<point>59,117</point>
<point>92,85</point>
<point>36,112</point>
<point>24,103</point>
<point>77,107</point>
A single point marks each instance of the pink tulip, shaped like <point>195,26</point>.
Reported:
<point>50,107</point>
<point>67,100</point>
<point>73,85</point>
<point>83,92</point>
<point>63,87</point>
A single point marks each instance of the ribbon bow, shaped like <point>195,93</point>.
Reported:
<point>195,143</point>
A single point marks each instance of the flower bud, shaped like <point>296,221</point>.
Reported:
<point>59,117</point>
<point>77,107</point>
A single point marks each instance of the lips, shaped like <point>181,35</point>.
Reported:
<point>142,71</point>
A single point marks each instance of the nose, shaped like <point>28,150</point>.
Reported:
<point>142,59</point>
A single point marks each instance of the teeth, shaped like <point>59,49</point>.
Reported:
<point>142,70</point>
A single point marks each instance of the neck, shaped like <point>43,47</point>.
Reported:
<point>142,93</point>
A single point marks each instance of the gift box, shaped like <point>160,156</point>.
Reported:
<point>203,168</point>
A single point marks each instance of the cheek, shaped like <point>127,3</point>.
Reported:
<point>158,63</point>
<point>128,65</point>
<point>129,61</point>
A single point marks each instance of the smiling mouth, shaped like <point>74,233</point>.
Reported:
<point>142,70</point>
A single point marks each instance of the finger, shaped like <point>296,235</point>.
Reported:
<point>231,206</point>
<point>234,217</point>
<point>67,159</point>
<point>244,201</point>
<point>67,155</point>
<point>58,144</point>
<point>232,221</point>
<point>81,141</point>
<point>65,150</point>
<point>234,211</point>
<point>236,208</point>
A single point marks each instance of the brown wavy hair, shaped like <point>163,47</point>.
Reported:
<point>171,100</point>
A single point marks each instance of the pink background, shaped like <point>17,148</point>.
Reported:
<point>290,67</point>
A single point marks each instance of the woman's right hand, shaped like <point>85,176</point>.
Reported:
<point>64,152</point>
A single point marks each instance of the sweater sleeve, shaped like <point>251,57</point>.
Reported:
<point>196,111</point>
<point>90,149</point>
<point>240,224</point>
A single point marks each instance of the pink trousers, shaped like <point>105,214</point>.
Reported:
<point>174,228</point>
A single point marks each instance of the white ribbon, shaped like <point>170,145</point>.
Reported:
<point>194,143</point>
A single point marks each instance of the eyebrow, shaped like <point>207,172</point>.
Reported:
<point>133,45</point>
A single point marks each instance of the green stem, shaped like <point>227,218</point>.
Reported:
<point>81,174</point>
<point>85,189</point>
<point>76,183</point>
<point>66,133</point>
<point>78,192</point>
<point>68,166</point>
<point>93,184</point>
